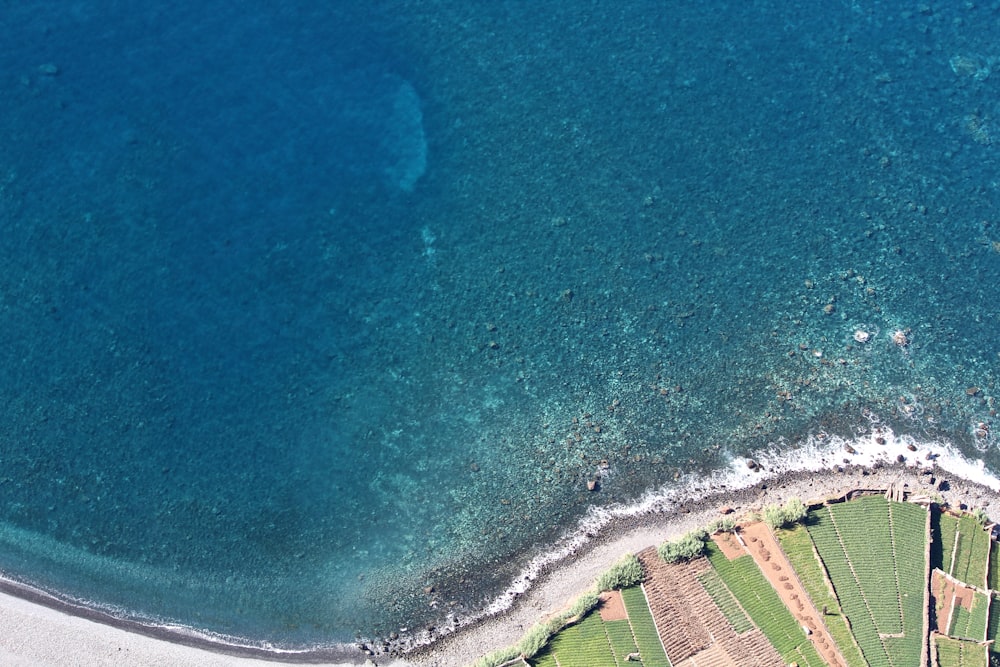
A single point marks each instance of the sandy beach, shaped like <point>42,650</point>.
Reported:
<point>37,634</point>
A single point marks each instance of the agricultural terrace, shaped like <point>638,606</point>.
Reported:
<point>961,611</point>
<point>698,618</point>
<point>748,585</point>
<point>950,652</point>
<point>964,546</point>
<point>858,573</point>
<point>881,591</point>
<point>993,576</point>
<point>801,553</point>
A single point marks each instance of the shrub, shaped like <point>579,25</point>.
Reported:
<point>723,525</point>
<point>773,516</point>
<point>778,517</point>
<point>981,517</point>
<point>534,640</point>
<point>583,604</point>
<point>688,547</point>
<point>498,657</point>
<point>626,572</point>
<point>795,510</point>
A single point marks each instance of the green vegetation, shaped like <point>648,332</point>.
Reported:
<point>688,547</point>
<point>746,582</point>
<point>582,644</point>
<point>793,511</point>
<point>958,653</point>
<point>725,601</point>
<point>646,638</point>
<point>534,639</point>
<point>870,599</point>
<point>583,604</point>
<point>971,624</point>
<point>993,627</point>
<point>971,552</point>
<point>993,578</point>
<point>909,546</point>
<point>539,634</point>
<point>498,657</point>
<point>798,547</point>
<point>626,572</point>
<point>621,640</point>
<point>947,531</point>
<point>723,525</point>
<point>873,602</point>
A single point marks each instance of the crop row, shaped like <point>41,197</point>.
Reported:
<point>864,583</point>
<point>993,579</point>
<point>860,524</point>
<point>979,617</point>
<point>973,552</point>
<point>994,623</point>
<point>759,599</point>
<point>852,600</point>
<point>798,547</point>
<point>583,644</point>
<point>621,640</point>
<point>947,532</point>
<point>957,653</point>
<point>646,637</point>
<point>909,548</point>
<point>725,601</point>
<point>874,598</point>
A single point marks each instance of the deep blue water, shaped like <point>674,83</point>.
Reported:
<point>304,309</point>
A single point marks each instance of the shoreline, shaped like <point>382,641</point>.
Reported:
<point>47,630</point>
<point>557,589</point>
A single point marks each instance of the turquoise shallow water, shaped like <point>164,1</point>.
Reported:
<point>305,310</point>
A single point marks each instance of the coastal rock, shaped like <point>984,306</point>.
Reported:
<point>849,449</point>
<point>751,464</point>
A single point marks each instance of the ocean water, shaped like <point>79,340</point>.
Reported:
<point>321,322</point>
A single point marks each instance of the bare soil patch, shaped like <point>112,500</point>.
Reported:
<point>729,545</point>
<point>613,607</point>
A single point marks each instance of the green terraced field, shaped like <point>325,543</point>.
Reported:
<point>583,644</point>
<point>958,653</point>
<point>971,553</point>
<point>725,601</point>
<point>993,579</point>
<point>622,641</point>
<point>880,590</point>
<point>759,599</point>
<point>971,624</point>
<point>798,547</point>
<point>871,598</point>
<point>646,638</point>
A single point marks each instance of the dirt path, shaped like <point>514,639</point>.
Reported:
<point>764,548</point>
